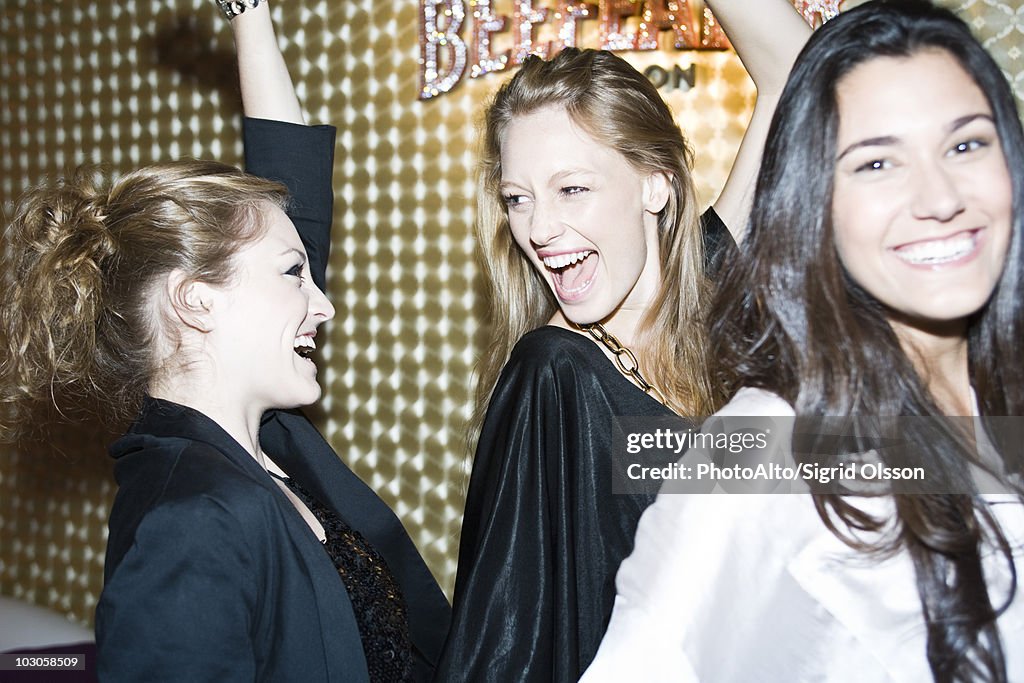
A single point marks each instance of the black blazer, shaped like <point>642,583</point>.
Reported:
<point>210,573</point>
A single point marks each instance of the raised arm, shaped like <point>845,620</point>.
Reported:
<point>767,35</point>
<point>267,90</point>
<point>278,144</point>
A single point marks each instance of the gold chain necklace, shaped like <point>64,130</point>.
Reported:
<point>624,358</point>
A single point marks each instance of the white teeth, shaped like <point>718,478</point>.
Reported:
<point>305,342</point>
<point>579,289</point>
<point>563,260</point>
<point>935,252</point>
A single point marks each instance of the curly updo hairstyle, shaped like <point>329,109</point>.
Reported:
<point>84,265</point>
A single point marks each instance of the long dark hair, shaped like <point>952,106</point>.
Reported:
<point>789,319</point>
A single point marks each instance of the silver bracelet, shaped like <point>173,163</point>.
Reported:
<point>232,8</point>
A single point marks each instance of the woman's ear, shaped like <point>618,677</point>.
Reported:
<point>192,301</point>
<point>657,187</point>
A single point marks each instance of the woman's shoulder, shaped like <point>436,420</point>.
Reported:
<point>544,353</point>
<point>185,494</point>
<point>188,480</point>
<point>562,365</point>
<point>750,401</point>
<point>550,343</point>
<point>551,355</point>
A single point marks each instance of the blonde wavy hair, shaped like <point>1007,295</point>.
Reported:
<point>617,106</point>
<point>83,261</point>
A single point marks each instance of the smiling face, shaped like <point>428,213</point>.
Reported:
<point>585,219</point>
<point>264,322</point>
<point>922,195</point>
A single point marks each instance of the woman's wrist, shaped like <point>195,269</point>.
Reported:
<point>233,8</point>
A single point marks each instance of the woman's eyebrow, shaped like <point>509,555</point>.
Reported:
<point>869,142</point>
<point>964,120</point>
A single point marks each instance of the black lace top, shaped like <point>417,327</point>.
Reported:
<point>376,597</point>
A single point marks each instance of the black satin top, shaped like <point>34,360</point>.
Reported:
<point>542,534</point>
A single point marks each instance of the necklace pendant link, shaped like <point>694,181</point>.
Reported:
<point>624,358</point>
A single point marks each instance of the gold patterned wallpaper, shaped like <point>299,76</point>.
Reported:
<point>129,82</point>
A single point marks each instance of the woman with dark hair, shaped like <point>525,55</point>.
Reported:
<point>882,278</point>
<point>593,249</point>
<point>241,548</point>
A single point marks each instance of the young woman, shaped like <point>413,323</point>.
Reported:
<point>240,547</point>
<point>882,277</point>
<point>592,246</point>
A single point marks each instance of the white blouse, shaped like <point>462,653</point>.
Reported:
<point>752,588</point>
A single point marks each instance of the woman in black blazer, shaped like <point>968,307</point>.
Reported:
<point>241,547</point>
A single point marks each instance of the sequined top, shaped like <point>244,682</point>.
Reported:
<point>376,597</point>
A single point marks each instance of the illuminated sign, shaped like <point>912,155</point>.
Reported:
<point>447,54</point>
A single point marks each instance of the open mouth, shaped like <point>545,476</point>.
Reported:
<point>939,252</point>
<point>304,346</point>
<point>572,273</point>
